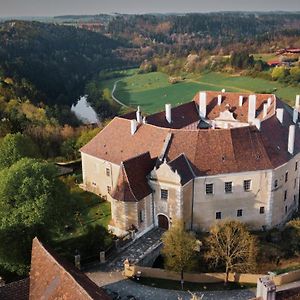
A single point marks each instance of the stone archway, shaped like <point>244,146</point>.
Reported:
<point>163,222</point>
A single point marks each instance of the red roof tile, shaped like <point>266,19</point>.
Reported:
<point>132,182</point>
<point>18,290</point>
<point>53,278</point>
<point>209,151</point>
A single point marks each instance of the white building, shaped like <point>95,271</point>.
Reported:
<point>222,155</point>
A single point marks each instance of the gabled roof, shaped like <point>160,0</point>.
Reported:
<point>18,290</point>
<point>209,151</point>
<point>183,168</point>
<point>232,100</point>
<point>51,277</point>
<point>132,182</point>
<point>115,143</point>
<point>182,116</point>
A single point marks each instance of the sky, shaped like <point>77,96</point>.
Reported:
<point>19,8</point>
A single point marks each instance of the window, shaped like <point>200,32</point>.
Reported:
<point>295,183</point>
<point>296,166</point>
<point>94,183</point>
<point>286,209</point>
<point>218,215</point>
<point>228,187</point>
<point>285,195</point>
<point>209,188</point>
<point>141,216</point>
<point>294,199</point>
<point>164,194</point>
<point>262,210</point>
<point>107,172</point>
<point>247,185</point>
<point>286,176</point>
<point>108,189</point>
<point>275,183</point>
<point>239,213</point>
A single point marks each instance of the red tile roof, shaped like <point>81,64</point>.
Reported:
<point>53,278</point>
<point>132,183</point>
<point>182,166</point>
<point>232,99</point>
<point>18,290</point>
<point>209,151</point>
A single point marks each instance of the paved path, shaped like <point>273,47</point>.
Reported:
<point>115,282</point>
<point>113,94</point>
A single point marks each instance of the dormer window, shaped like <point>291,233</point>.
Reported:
<point>107,172</point>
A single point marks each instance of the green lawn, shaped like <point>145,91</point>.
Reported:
<point>152,91</point>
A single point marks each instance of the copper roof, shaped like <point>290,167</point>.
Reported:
<point>51,277</point>
<point>209,151</point>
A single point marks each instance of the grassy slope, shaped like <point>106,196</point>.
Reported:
<point>151,91</point>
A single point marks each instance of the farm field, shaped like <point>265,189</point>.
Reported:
<point>152,91</point>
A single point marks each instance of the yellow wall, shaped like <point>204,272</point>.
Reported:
<point>94,175</point>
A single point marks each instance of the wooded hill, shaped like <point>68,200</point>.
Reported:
<point>57,60</point>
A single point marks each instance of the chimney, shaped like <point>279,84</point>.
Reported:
<point>251,108</point>
<point>241,99</point>
<point>297,104</point>
<point>133,125</point>
<point>202,104</point>
<point>219,100</point>
<point>138,115</point>
<point>257,123</point>
<point>168,113</point>
<point>269,101</point>
<point>265,112</point>
<point>223,91</point>
<point>279,115</point>
<point>295,115</point>
<point>291,142</point>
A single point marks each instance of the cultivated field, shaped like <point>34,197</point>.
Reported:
<point>152,91</point>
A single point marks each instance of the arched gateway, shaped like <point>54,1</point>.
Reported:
<point>163,222</point>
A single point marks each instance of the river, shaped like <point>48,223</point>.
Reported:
<point>84,111</point>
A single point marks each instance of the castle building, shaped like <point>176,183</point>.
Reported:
<point>222,155</point>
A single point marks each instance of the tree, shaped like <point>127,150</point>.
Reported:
<point>279,73</point>
<point>33,202</point>
<point>231,246</point>
<point>179,248</point>
<point>291,237</point>
<point>15,146</point>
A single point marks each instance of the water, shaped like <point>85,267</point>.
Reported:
<point>84,111</point>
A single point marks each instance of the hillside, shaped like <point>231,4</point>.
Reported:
<point>57,60</point>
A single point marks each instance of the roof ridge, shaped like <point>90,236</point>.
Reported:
<point>36,240</point>
<point>129,185</point>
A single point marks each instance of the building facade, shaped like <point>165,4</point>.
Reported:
<point>222,155</point>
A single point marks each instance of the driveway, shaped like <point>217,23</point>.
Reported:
<point>114,281</point>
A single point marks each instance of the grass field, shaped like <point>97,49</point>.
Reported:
<point>152,91</point>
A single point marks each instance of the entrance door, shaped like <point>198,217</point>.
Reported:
<point>163,222</point>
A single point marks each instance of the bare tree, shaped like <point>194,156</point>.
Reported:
<point>179,249</point>
<point>232,246</point>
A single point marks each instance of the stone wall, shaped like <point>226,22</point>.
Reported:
<point>190,277</point>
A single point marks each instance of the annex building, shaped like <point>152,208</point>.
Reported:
<point>222,155</point>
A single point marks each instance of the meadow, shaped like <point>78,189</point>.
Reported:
<point>152,91</point>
